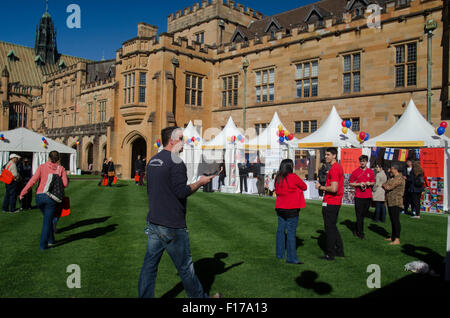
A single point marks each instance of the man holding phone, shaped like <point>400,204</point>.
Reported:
<point>168,191</point>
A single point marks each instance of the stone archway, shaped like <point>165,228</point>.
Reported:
<point>138,147</point>
<point>90,156</point>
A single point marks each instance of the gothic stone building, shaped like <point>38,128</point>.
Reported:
<point>218,56</point>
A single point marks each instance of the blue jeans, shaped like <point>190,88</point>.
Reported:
<point>10,199</point>
<point>289,244</point>
<point>380,211</point>
<point>48,208</point>
<point>176,243</point>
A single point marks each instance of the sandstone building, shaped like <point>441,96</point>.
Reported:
<point>218,56</point>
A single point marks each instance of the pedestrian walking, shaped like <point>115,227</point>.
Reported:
<point>25,173</point>
<point>45,203</point>
<point>10,199</point>
<point>111,172</point>
<point>379,194</point>
<point>167,231</point>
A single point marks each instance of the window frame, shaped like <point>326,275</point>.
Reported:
<point>304,83</point>
<point>194,92</point>
<point>265,84</point>
<point>404,77</point>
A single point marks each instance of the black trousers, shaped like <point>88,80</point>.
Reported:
<point>362,206</point>
<point>335,246</point>
<point>243,181</point>
<point>415,200</point>
<point>394,215</point>
<point>221,181</point>
<point>110,181</point>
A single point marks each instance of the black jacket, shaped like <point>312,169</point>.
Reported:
<point>167,191</point>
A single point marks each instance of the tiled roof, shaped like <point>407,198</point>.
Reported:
<point>296,17</point>
<point>99,71</point>
<point>23,69</point>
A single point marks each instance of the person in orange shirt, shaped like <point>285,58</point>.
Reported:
<point>290,199</point>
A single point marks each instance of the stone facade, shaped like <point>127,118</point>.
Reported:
<point>179,76</point>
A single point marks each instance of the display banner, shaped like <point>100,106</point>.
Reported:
<point>349,162</point>
<point>432,162</point>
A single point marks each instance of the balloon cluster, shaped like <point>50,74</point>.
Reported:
<point>441,129</point>
<point>78,143</point>
<point>2,137</point>
<point>233,139</point>
<point>192,140</point>
<point>157,144</point>
<point>44,143</point>
<point>346,124</point>
<point>284,135</point>
<point>363,136</point>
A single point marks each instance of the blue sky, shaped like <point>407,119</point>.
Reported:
<point>105,24</point>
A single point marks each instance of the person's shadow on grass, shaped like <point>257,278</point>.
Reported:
<point>321,240</point>
<point>350,225</point>
<point>379,230</point>
<point>90,234</point>
<point>206,270</point>
<point>83,223</point>
<point>308,280</point>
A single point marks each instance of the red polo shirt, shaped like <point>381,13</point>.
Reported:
<point>358,176</point>
<point>336,174</point>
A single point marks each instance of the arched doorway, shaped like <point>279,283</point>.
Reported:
<point>138,147</point>
<point>90,156</point>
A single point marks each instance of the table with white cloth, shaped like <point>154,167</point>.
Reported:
<point>311,193</point>
<point>251,186</point>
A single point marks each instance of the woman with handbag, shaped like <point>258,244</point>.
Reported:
<point>45,203</point>
<point>111,172</point>
<point>9,202</point>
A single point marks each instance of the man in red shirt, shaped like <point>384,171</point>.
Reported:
<point>332,201</point>
<point>362,179</point>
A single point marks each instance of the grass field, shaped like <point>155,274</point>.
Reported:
<point>233,246</point>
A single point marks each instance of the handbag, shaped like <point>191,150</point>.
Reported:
<point>136,177</point>
<point>65,207</point>
<point>111,174</point>
<point>6,176</point>
<point>105,181</point>
<point>115,180</point>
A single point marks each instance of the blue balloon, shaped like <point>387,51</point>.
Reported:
<point>286,138</point>
<point>43,138</point>
<point>367,137</point>
<point>348,124</point>
<point>281,139</point>
<point>441,131</point>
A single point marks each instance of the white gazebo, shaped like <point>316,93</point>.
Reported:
<point>192,151</point>
<point>24,140</point>
<point>222,146</point>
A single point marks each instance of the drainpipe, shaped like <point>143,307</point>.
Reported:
<point>430,26</point>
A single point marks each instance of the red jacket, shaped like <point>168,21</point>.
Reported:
<point>290,194</point>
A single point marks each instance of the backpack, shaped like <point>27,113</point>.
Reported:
<point>54,187</point>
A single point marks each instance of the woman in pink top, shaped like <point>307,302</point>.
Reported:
<point>47,205</point>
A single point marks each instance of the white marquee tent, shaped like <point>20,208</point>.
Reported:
<point>413,130</point>
<point>272,152</point>
<point>192,152</point>
<point>24,140</point>
<point>330,134</point>
<point>221,146</point>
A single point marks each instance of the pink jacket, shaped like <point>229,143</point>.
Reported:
<point>42,175</point>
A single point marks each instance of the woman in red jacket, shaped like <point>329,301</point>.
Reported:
<point>290,199</point>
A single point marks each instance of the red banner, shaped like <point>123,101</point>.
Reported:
<point>432,162</point>
<point>350,159</point>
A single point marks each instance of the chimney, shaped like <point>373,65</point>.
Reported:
<point>146,30</point>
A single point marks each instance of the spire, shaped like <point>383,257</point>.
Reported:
<point>45,45</point>
<point>5,72</point>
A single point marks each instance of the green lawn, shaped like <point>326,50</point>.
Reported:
<point>233,247</point>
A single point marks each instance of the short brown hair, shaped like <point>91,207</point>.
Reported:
<point>54,156</point>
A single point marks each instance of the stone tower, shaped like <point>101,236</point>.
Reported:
<point>45,46</point>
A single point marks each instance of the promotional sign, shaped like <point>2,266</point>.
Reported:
<point>349,162</point>
<point>432,162</point>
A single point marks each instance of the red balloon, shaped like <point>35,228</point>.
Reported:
<point>362,135</point>
<point>444,125</point>
<point>343,123</point>
<point>291,136</point>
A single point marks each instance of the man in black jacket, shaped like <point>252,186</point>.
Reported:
<point>168,191</point>
<point>243,175</point>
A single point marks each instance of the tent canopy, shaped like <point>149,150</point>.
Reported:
<point>24,140</point>
<point>221,140</point>
<point>330,134</point>
<point>411,130</point>
<point>268,139</point>
<point>190,132</point>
